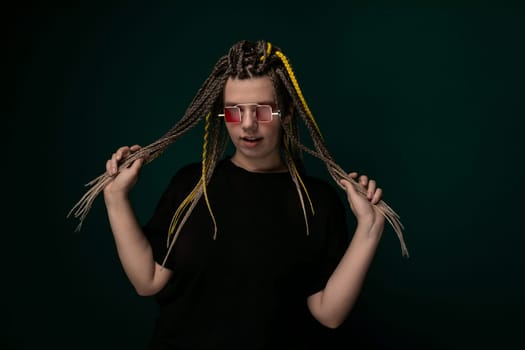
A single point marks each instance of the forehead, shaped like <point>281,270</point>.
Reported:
<point>252,90</point>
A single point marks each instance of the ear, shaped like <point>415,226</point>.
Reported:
<point>289,112</point>
<point>286,116</point>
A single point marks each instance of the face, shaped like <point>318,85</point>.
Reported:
<point>256,143</point>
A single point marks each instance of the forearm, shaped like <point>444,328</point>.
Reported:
<point>332,305</point>
<point>133,248</point>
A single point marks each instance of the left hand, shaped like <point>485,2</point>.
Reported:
<point>364,207</point>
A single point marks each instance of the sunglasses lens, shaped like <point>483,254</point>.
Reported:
<point>264,113</point>
<point>232,114</point>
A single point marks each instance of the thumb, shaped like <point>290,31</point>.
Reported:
<point>349,187</point>
<point>137,164</point>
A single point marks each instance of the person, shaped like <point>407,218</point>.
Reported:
<point>245,250</point>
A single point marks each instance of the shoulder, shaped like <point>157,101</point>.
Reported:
<point>320,185</point>
<point>190,169</point>
<point>185,176</point>
<point>323,192</point>
<point>191,172</point>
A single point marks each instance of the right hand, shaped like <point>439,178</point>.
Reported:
<point>124,180</point>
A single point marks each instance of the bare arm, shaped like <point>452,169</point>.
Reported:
<point>332,305</point>
<point>134,250</point>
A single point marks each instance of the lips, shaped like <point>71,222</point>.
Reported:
<point>250,141</point>
<point>251,138</point>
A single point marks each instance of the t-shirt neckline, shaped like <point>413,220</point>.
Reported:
<point>232,165</point>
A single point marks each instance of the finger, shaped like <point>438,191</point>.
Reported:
<point>122,152</point>
<point>377,196</point>
<point>353,175</point>
<point>349,187</point>
<point>135,148</point>
<point>371,189</point>
<point>109,169</point>
<point>114,162</point>
<point>363,180</point>
<point>136,165</point>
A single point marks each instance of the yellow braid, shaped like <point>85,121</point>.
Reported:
<point>176,217</point>
<point>296,172</point>
<point>304,187</point>
<point>205,171</point>
<point>268,50</point>
<point>298,89</point>
<point>298,176</point>
<point>202,182</point>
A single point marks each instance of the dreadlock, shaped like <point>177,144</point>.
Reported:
<point>244,60</point>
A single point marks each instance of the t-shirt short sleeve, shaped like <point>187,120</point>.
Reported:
<point>156,228</point>
<point>334,242</point>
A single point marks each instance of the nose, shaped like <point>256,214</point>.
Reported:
<point>249,119</point>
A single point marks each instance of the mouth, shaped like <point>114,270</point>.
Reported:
<point>251,138</point>
<point>250,141</point>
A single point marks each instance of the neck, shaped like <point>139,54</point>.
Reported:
<point>273,165</point>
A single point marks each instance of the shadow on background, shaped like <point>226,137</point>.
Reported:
<point>427,99</point>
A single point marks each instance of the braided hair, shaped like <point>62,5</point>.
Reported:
<point>245,59</point>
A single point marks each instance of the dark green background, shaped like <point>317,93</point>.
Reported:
<point>427,99</point>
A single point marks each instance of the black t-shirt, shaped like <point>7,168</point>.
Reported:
<point>248,287</point>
